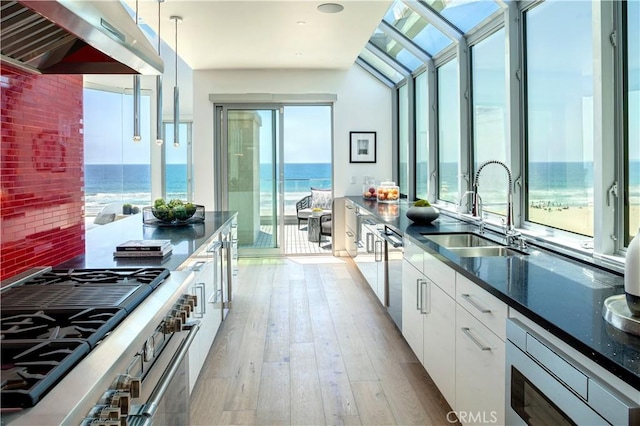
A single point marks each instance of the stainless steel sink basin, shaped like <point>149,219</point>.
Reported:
<point>483,251</point>
<point>459,240</point>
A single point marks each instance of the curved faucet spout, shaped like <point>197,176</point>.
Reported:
<point>509,221</point>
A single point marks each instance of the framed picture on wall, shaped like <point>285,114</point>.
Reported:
<point>363,147</point>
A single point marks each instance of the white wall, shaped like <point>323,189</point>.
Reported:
<point>363,104</point>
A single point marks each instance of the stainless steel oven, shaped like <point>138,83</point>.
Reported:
<point>547,386</point>
<point>131,367</point>
<point>164,399</point>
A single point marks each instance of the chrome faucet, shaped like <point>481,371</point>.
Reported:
<point>511,234</point>
<point>476,209</point>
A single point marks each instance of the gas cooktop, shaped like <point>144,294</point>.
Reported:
<point>49,322</point>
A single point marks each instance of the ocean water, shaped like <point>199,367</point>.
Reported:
<point>569,184</point>
<point>562,183</point>
<point>131,183</point>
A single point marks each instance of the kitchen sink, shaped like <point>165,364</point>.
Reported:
<point>471,245</point>
<point>485,251</point>
<point>460,240</point>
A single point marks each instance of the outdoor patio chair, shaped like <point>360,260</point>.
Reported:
<point>325,227</point>
<point>319,199</point>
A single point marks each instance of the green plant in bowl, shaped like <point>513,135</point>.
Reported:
<point>174,210</point>
<point>422,203</point>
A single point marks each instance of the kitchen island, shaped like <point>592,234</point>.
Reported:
<point>168,310</point>
<point>563,296</point>
<point>100,243</point>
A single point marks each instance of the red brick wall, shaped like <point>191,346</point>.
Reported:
<point>41,170</point>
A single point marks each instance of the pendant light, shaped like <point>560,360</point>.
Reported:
<point>136,100</point>
<point>159,128</point>
<point>176,92</point>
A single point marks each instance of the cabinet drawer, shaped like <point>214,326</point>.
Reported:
<point>441,274</point>
<point>487,308</point>
<point>480,372</point>
<point>413,254</point>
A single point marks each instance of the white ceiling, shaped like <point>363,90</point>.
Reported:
<point>261,34</point>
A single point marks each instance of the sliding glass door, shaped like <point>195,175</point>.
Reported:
<point>249,169</point>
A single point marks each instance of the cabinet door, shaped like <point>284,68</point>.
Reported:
<point>480,372</point>
<point>440,340</point>
<point>412,319</point>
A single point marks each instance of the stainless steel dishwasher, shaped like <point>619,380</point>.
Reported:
<point>393,251</point>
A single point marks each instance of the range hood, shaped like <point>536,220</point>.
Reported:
<point>75,37</point>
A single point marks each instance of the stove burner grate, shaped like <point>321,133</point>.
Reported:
<point>149,276</point>
<point>90,324</point>
<point>35,367</point>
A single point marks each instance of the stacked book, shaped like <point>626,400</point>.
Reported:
<point>144,248</point>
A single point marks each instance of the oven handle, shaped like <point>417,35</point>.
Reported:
<point>151,406</point>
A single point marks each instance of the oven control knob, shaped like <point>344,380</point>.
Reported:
<point>126,383</point>
<point>115,398</point>
<point>172,324</point>
<point>182,314</point>
<point>192,300</point>
<point>104,412</point>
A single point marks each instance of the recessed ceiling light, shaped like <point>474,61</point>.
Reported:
<point>330,8</point>
<point>301,22</point>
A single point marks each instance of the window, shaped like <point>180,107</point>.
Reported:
<point>422,137</point>
<point>395,50</point>
<point>464,14</point>
<point>559,116</point>
<point>117,170</point>
<point>632,177</point>
<point>176,177</point>
<point>489,117</point>
<point>403,139</point>
<point>448,131</point>
<point>416,28</point>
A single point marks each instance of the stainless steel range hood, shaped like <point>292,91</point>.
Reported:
<point>75,37</point>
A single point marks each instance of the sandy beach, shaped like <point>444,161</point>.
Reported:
<point>576,219</point>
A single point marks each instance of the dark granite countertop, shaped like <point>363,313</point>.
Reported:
<point>562,295</point>
<point>101,242</point>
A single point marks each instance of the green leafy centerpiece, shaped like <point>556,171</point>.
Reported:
<point>174,212</point>
<point>422,212</point>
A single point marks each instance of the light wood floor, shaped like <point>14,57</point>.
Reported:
<point>307,343</point>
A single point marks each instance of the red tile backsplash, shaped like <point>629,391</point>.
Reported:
<point>41,170</point>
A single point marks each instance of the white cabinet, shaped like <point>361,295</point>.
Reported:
<point>480,372</point>
<point>205,264</point>
<point>412,321</point>
<point>439,340</point>
<point>428,325</point>
<point>457,331</point>
<point>480,353</point>
<point>487,308</point>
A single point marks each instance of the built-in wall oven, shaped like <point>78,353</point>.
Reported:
<point>545,386</point>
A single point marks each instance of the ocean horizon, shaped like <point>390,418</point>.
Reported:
<point>564,183</point>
